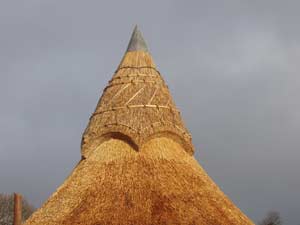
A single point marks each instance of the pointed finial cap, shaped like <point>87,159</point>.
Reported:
<point>137,42</point>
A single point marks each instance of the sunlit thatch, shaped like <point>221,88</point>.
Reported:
<point>137,162</point>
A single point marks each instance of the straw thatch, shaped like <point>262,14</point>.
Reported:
<point>136,103</point>
<point>137,162</point>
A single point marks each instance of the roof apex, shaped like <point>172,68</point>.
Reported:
<point>137,42</point>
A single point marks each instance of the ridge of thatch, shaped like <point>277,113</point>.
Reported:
<point>136,105</point>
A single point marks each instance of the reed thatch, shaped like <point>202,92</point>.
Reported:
<point>137,162</point>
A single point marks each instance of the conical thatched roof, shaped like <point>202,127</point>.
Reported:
<point>136,103</point>
<point>137,162</point>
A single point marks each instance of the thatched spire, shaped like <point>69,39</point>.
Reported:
<point>137,165</point>
<point>137,42</point>
<point>136,105</point>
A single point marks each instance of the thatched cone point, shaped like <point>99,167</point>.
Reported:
<point>137,162</point>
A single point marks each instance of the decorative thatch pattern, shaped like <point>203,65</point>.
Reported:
<point>137,165</point>
<point>136,103</point>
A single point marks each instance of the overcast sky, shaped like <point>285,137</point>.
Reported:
<point>232,68</point>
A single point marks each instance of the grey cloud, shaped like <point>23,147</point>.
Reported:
<point>232,68</point>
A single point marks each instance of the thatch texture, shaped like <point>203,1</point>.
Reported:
<point>160,184</point>
<point>137,165</point>
<point>136,103</point>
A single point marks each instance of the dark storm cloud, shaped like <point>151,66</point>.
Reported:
<point>232,67</point>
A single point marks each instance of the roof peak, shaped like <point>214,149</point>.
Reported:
<point>136,105</point>
<point>137,42</point>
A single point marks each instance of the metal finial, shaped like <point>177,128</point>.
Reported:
<point>137,42</point>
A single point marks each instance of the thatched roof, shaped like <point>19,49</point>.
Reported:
<point>137,162</point>
<point>136,103</point>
